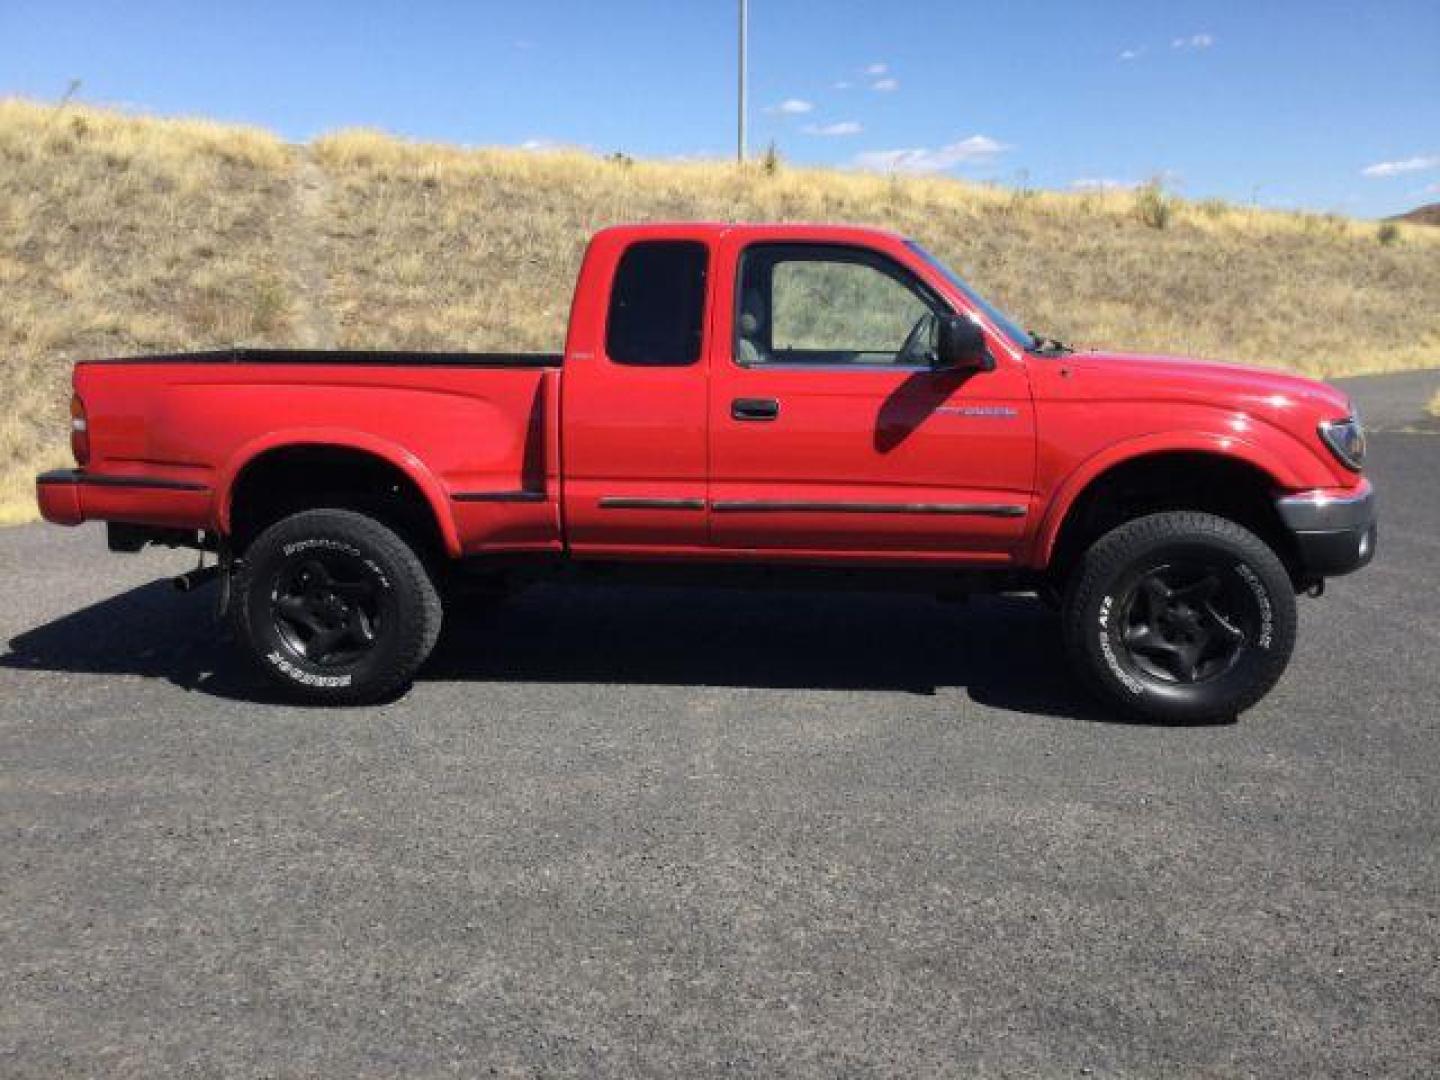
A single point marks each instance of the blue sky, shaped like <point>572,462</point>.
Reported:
<point>1326,106</point>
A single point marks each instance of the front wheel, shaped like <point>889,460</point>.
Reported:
<point>1180,617</point>
<point>335,607</point>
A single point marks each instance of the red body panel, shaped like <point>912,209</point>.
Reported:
<point>880,436</point>
<point>852,469</point>
<point>629,432</point>
<point>454,431</point>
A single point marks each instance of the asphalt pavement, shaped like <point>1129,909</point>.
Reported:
<point>643,832</point>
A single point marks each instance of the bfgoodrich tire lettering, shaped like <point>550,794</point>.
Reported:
<point>335,607</point>
<point>1180,617</point>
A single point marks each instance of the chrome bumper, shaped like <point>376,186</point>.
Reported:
<point>1334,532</point>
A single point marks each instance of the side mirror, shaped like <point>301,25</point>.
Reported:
<point>961,346</point>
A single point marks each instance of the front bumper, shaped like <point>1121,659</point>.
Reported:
<point>1335,530</point>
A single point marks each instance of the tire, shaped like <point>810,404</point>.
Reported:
<point>1180,618</point>
<point>335,607</point>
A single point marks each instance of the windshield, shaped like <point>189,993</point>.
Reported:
<point>1006,324</point>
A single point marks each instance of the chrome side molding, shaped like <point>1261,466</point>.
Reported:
<point>626,502</point>
<point>1005,510</point>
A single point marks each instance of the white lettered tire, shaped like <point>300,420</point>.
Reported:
<point>335,607</point>
<point>1180,617</point>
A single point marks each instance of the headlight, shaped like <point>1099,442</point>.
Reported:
<point>1346,439</point>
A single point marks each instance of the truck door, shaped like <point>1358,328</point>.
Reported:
<point>830,430</point>
<point>634,397</point>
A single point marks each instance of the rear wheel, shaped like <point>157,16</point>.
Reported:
<point>336,607</point>
<point>1180,617</point>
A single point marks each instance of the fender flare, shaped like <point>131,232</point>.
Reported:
<point>346,439</point>
<point>1212,444</point>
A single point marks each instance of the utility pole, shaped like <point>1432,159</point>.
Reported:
<point>744,28</point>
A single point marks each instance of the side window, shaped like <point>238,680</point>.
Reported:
<point>657,304</point>
<point>830,306</point>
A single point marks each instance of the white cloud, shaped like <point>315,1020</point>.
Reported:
<point>1405,165</point>
<point>540,144</point>
<point>1132,54</point>
<point>1102,183</point>
<point>885,85</point>
<point>1433,189</point>
<point>931,160</point>
<point>792,107</point>
<point>841,127</point>
<point>877,69</point>
<point>1194,41</point>
<point>841,85</point>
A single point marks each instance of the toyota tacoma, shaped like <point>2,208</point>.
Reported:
<point>752,404</point>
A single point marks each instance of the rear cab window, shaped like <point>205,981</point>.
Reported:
<point>657,304</point>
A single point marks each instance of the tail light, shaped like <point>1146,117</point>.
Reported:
<point>79,431</point>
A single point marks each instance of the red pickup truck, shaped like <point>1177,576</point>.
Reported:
<point>747,404</point>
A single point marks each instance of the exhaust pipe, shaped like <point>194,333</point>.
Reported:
<point>191,581</point>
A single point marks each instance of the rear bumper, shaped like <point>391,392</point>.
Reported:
<point>72,496</point>
<point>58,494</point>
<point>1335,531</point>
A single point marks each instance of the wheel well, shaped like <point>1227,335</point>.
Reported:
<point>1215,485</point>
<point>291,479</point>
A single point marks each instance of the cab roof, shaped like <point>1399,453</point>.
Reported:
<point>749,229</point>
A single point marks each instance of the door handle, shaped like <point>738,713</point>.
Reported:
<point>749,408</point>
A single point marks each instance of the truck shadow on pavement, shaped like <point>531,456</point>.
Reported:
<point>1003,652</point>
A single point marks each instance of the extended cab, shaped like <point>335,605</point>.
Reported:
<point>737,403</point>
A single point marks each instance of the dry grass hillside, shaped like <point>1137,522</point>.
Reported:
<point>123,234</point>
<point>1429,214</point>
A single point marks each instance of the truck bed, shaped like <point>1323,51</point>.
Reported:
<point>345,357</point>
<point>172,434</point>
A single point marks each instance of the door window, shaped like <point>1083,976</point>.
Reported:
<point>802,304</point>
<point>657,304</point>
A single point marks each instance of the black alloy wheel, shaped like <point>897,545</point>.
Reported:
<point>326,608</point>
<point>1187,622</point>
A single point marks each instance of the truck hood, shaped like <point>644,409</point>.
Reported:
<point>1139,376</point>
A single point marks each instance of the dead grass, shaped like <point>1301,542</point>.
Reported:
<point>1434,406</point>
<point>123,234</point>
<point>118,235</point>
